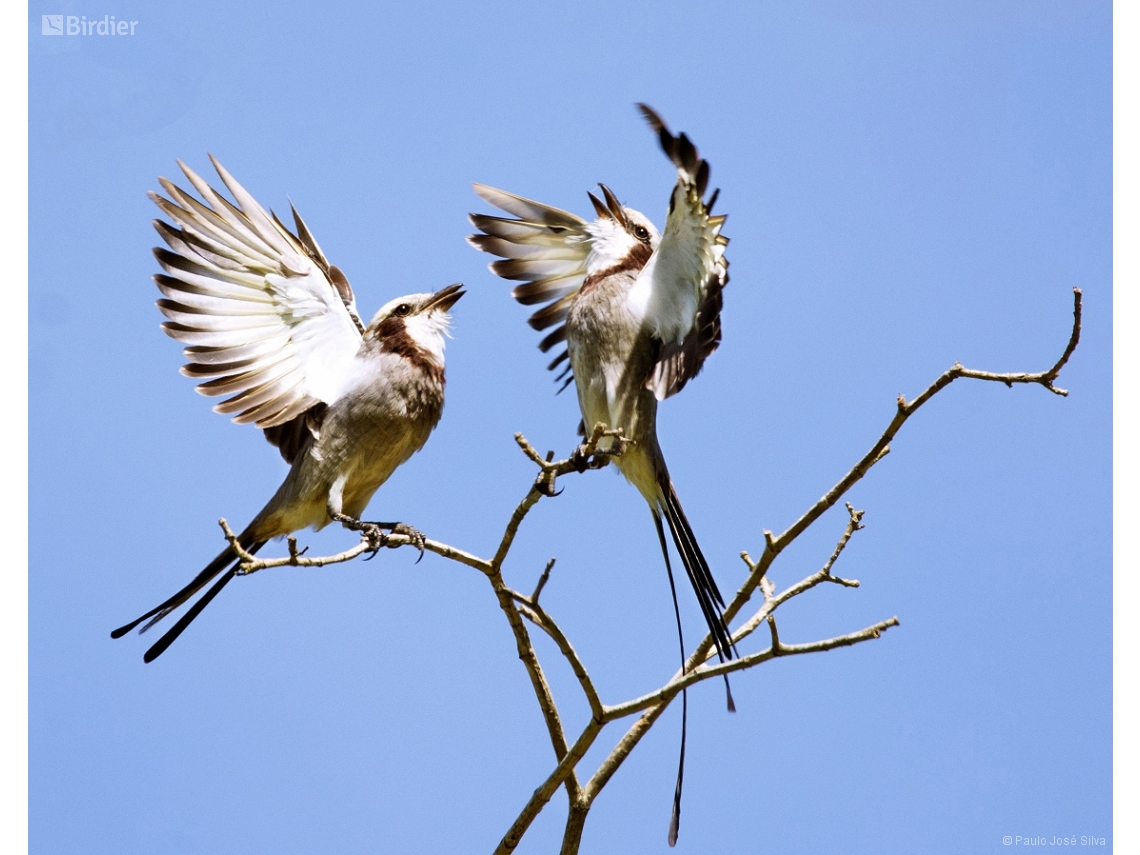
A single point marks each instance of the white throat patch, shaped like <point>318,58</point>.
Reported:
<point>427,331</point>
<point>611,244</point>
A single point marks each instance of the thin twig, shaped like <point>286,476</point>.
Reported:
<point>776,544</point>
<point>772,602</point>
<point>251,564</point>
<point>549,787</point>
<point>538,616</point>
<point>705,672</point>
<point>296,558</point>
<point>542,580</point>
<point>542,691</point>
<point>520,512</point>
<point>548,472</point>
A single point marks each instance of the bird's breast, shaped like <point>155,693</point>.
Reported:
<point>602,323</point>
<point>385,415</point>
<point>611,355</point>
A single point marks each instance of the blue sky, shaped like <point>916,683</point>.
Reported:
<point>907,185</point>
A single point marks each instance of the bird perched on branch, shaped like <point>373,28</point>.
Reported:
<point>270,323</point>
<point>639,312</point>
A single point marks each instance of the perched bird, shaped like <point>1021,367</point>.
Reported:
<point>639,312</point>
<point>269,322</point>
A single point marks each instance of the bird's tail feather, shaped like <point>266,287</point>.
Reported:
<point>704,586</point>
<point>678,521</point>
<point>167,639</point>
<point>675,816</point>
<point>224,562</point>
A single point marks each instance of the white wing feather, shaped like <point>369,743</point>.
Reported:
<point>263,322</point>
<point>547,249</point>
<point>680,288</point>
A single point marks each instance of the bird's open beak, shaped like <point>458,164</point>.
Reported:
<point>445,298</point>
<point>615,207</point>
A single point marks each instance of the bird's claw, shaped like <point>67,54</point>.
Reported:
<point>414,535</point>
<point>584,458</point>
<point>580,458</point>
<point>378,538</point>
<point>545,482</point>
<point>375,536</point>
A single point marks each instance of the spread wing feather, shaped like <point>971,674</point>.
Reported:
<point>546,249</point>
<point>682,284</point>
<point>266,319</point>
<point>687,273</point>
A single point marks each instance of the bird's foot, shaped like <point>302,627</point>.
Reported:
<point>547,478</point>
<point>419,541</point>
<point>377,534</point>
<point>586,457</point>
<point>371,532</point>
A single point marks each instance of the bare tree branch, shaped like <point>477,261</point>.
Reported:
<point>771,603</point>
<point>542,580</point>
<point>705,672</point>
<point>538,616</point>
<point>699,666</point>
<point>549,787</point>
<point>776,544</point>
<point>537,678</point>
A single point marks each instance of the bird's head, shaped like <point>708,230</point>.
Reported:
<point>417,320</point>
<point>621,235</point>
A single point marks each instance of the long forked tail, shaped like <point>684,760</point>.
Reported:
<point>225,564</point>
<point>711,605</point>
<point>675,817</point>
<point>704,586</point>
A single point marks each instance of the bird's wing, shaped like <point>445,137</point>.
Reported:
<point>681,285</point>
<point>266,319</point>
<point>546,249</point>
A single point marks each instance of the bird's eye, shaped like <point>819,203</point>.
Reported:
<point>402,310</point>
<point>641,233</point>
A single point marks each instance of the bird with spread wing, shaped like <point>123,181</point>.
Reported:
<point>639,312</point>
<point>270,323</point>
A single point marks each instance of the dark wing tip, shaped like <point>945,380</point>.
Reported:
<point>558,360</point>
<point>702,179</point>
<point>651,116</point>
<point>679,149</point>
<point>559,335</point>
<point>687,152</point>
